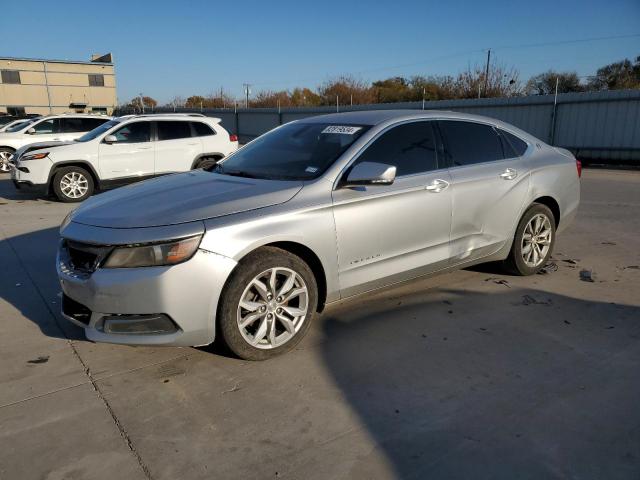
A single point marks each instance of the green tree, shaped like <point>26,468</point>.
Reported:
<point>619,75</point>
<point>545,83</point>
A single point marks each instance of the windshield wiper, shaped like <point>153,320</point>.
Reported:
<point>233,173</point>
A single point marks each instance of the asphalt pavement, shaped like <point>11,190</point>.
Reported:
<point>472,374</point>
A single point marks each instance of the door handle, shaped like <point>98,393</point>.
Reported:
<point>437,186</point>
<point>144,148</point>
<point>509,174</point>
<point>192,144</point>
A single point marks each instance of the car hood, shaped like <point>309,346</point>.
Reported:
<point>182,198</point>
<point>39,146</point>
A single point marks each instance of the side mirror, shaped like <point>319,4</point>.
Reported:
<point>110,139</point>
<point>371,173</point>
<point>31,131</point>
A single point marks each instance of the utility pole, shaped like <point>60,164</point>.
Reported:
<point>486,73</point>
<point>141,102</point>
<point>246,94</point>
<point>424,93</point>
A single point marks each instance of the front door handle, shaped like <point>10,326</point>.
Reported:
<point>144,148</point>
<point>509,174</point>
<point>437,186</point>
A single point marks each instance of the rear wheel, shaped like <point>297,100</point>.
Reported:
<point>268,304</point>
<point>533,241</point>
<point>207,163</point>
<point>72,184</point>
<point>5,155</point>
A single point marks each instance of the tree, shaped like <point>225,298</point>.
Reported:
<point>148,102</point>
<point>303,97</point>
<point>618,75</point>
<point>346,88</point>
<point>474,82</point>
<point>545,83</point>
<point>395,89</point>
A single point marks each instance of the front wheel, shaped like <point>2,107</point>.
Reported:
<point>72,184</point>
<point>5,155</point>
<point>533,241</point>
<point>268,304</point>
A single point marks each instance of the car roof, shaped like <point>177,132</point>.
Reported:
<point>171,116</point>
<point>375,117</point>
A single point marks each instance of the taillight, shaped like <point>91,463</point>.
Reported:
<point>579,168</point>
<point>233,138</point>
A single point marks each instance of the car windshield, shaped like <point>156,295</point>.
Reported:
<point>96,132</point>
<point>297,151</point>
<point>19,126</point>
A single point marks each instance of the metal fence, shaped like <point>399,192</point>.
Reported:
<point>603,126</point>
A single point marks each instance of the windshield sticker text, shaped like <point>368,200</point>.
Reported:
<point>341,129</point>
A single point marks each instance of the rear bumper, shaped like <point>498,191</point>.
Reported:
<point>187,293</point>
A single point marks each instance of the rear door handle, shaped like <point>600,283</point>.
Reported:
<point>509,174</point>
<point>144,148</point>
<point>437,186</point>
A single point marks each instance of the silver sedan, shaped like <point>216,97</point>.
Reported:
<point>313,212</point>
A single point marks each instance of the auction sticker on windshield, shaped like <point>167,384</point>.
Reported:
<point>341,129</point>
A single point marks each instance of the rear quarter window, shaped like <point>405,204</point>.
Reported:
<point>513,144</point>
<point>202,129</point>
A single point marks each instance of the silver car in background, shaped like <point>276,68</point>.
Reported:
<point>312,212</point>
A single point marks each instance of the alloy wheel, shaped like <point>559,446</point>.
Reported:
<point>273,308</point>
<point>4,161</point>
<point>536,240</point>
<point>74,185</point>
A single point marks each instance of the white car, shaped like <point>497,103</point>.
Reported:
<point>122,151</point>
<point>59,128</point>
<point>15,125</point>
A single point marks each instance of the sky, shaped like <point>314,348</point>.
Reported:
<point>165,49</point>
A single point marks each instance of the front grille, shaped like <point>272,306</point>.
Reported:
<point>84,257</point>
<point>75,310</point>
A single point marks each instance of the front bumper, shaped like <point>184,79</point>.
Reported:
<point>187,293</point>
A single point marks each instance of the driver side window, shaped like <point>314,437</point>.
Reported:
<point>135,132</point>
<point>410,147</point>
<point>47,126</point>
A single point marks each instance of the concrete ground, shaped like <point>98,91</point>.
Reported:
<point>473,374</point>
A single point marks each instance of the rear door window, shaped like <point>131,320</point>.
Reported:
<point>168,130</point>
<point>469,143</point>
<point>51,125</point>
<point>410,147</point>
<point>73,125</point>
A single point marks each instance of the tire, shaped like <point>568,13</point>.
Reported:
<point>5,153</point>
<point>66,190</point>
<point>528,261</point>
<point>207,163</point>
<point>254,340</point>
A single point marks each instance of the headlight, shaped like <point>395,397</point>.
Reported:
<point>153,255</point>
<point>66,221</point>
<point>34,156</point>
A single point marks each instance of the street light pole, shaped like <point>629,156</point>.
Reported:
<point>246,94</point>
<point>141,102</point>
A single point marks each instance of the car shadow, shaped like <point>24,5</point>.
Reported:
<point>10,192</point>
<point>29,282</point>
<point>522,384</point>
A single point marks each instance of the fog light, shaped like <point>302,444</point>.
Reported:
<point>139,324</point>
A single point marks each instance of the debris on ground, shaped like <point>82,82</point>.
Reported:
<point>608,243</point>
<point>529,300</point>
<point>41,359</point>
<point>498,281</point>
<point>570,261</point>
<point>631,267</point>
<point>567,322</point>
<point>587,276</point>
<point>447,302</point>
<point>235,388</point>
<point>549,267</point>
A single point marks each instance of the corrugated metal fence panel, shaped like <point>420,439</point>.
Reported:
<point>600,125</point>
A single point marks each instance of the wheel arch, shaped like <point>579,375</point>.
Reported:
<point>72,163</point>
<point>308,256</point>
<point>552,204</point>
<point>217,155</point>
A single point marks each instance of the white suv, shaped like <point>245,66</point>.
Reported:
<point>121,151</point>
<point>58,128</point>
